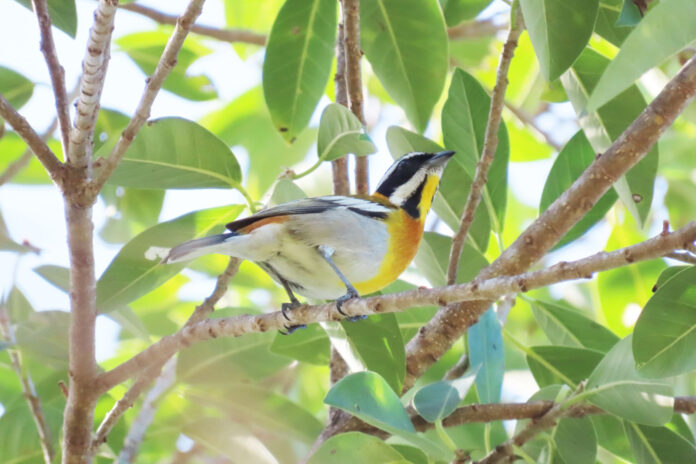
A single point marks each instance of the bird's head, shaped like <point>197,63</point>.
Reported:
<point>411,182</point>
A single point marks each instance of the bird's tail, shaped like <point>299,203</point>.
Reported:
<point>198,247</point>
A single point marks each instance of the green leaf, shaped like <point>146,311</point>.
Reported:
<point>456,11</point>
<point>611,435</point>
<point>62,12</point>
<point>566,326</point>
<point>352,447</point>
<point>616,387</point>
<point>13,148</point>
<point>665,30</point>
<point>450,199</point>
<point>412,454</point>
<point>286,190</point>
<point>658,445</point>
<point>58,276</point>
<point>571,162</point>
<point>145,49</point>
<point>559,30</point>
<point>340,133</point>
<point>668,274</point>
<point>228,439</point>
<point>136,269</point>
<point>298,61</point>
<point>606,25</point>
<point>16,88</point>
<point>19,307</point>
<point>245,122</point>
<point>630,14</point>
<point>575,440</point>
<point>433,257</point>
<point>605,125</point>
<point>177,153</point>
<point>136,209</point>
<point>438,400</point>
<point>311,345</point>
<point>664,339</point>
<point>216,361</point>
<point>405,42</point>
<point>6,243</point>
<point>378,342</point>
<point>486,351</point>
<point>367,396</point>
<point>44,336</point>
<point>464,119</point>
<point>561,364</point>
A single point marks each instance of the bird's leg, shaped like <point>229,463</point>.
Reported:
<point>286,307</point>
<point>327,252</point>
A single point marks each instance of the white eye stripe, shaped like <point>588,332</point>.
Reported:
<point>404,191</point>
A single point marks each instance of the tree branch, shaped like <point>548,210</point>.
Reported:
<point>339,166</point>
<point>94,67</point>
<point>154,84</point>
<point>438,335</point>
<point>685,257</point>
<point>226,35</point>
<point>35,142</point>
<point>56,71</point>
<point>28,389</point>
<point>490,143</point>
<point>476,290</point>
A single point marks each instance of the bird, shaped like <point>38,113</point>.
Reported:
<point>335,247</point>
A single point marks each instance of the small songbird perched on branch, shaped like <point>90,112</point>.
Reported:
<point>335,247</point>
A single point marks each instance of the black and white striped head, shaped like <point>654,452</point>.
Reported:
<point>413,177</point>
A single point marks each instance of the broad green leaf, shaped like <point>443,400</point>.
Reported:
<point>616,387</point>
<point>559,30</point>
<point>668,274</point>
<point>44,336</point>
<point>456,11</point>
<point>340,133</point>
<point>561,364</point>
<point>450,199</point>
<point>58,276</point>
<point>246,123</point>
<point>176,153</point>
<point>228,439</point>
<point>571,162</point>
<point>538,448</point>
<point>352,447</point>
<point>405,42</point>
<point>286,190</point>
<point>630,14</point>
<point>464,119</point>
<point>13,148</point>
<point>311,345</point>
<point>367,396</point>
<point>438,400</point>
<point>658,445</point>
<point>18,306</point>
<point>526,144</point>
<point>486,351</point>
<point>16,88</point>
<point>606,25</point>
<point>664,339</point>
<point>665,30</point>
<point>62,12</point>
<point>566,326</point>
<point>216,361</point>
<point>297,64</point>
<point>137,209</point>
<point>575,440</point>
<point>378,342</point>
<point>611,435</point>
<point>605,125</point>
<point>6,243</point>
<point>433,257</point>
<point>145,49</point>
<point>136,269</point>
<point>108,128</point>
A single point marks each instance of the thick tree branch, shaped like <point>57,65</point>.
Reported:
<point>476,290</point>
<point>48,48</point>
<point>226,35</point>
<point>351,21</point>
<point>438,335</point>
<point>94,67</point>
<point>154,84</point>
<point>28,389</point>
<point>34,140</point>
<point>148,376</point>
<point>490,144</point>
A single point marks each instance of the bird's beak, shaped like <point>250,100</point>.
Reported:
<point>441,159</point>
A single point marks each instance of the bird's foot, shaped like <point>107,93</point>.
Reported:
<point>285,308</point>
<point>352,293</point>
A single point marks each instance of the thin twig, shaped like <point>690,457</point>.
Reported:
<point>34,140</point>
<point>154,84</point>
<point>529,121</point>
<point>149,375</point>
<point>477,290</point>
<point>226,35</point>
<point>351,21</point>
<point>48,48</point>
<point>684,257</point>
<point>490,144</point>
<point>339,166</point>
<point>28,389</point>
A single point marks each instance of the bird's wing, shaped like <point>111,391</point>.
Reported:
<point>358,204</point>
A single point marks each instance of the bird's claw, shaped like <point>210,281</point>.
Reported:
<point>284,309</point>
<point>352,293</point>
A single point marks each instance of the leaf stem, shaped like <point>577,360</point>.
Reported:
<point>444,436</point>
